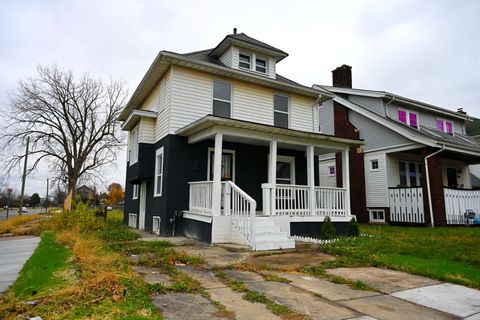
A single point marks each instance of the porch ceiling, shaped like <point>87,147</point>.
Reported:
<point>259,134</point>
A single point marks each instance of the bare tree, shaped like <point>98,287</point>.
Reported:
<point>71,122</point>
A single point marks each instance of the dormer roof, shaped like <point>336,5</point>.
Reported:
<point>244,41</point>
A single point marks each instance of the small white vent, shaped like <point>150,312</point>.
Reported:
<point>132,220</point>
<point>156,225</point>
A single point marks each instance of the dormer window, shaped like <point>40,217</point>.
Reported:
<point>445,126</point>
<point>245,61</point>
<point>260,65</point>
<point>408,117</point>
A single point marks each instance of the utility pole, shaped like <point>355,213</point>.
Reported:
<point>23,177</point>
<point>46,200</point>
<point>9,191</point>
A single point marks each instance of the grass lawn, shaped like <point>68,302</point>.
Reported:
<point>448,254</point>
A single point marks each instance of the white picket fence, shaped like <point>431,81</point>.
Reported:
<point>406,205</point>
<point>458,201</point>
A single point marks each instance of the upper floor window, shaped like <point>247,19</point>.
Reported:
<point>445,126</point>
<point>222,99</point>
<point>133,152</point>
<point>244,61</point>
<point>260,65</point>
<point>280,111</point>
<point>408,117</point>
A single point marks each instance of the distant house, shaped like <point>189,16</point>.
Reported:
<point>86,193</point>
<point>415,165</point>
<point>222,148</point>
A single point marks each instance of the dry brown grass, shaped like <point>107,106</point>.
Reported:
<point>16,225</point>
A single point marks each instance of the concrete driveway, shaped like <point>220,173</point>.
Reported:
<point>14,252</point>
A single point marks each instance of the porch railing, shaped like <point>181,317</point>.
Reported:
<point>294,200</point>
<point>200,197</point>
<point>242,208</point>
<point>406,205</point>
<point>458,201</point>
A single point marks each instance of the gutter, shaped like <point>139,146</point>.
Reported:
<point>429,192</point>
<point>386,107</point>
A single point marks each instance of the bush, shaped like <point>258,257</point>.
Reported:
<point>353,230</point>
<point>328,230</point>
<point>82,218</point>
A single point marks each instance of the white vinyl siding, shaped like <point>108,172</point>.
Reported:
<point>325,117</point>
<point>271,68</point>
<point>147,130</point>
<point>226,57</point>
<point>162,124</point>
<point>152,102</point>
<point>301,113</point>
<point>373,104</point>
<point>376,181</point>
<point>326,179</point>
<point>252,103</point>
<point>158,183</point>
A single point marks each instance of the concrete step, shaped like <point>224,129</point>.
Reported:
<point>275,245</point>
<point>262,228</point>
<point>278,236</point>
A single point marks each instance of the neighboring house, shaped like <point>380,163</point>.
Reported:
<point>86,193</point>
<point>416,156</point>
<point>223,149</point>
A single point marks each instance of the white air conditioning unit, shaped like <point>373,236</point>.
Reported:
<point>132,220</point>
<point>156,225</point>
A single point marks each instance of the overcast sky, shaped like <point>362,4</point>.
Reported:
<point>426,50</point>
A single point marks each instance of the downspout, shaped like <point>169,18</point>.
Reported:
<point>313,112</point>
<point>386,107</point>
<point>427,177</point>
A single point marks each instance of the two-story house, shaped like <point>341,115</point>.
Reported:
<point>224,149</point>
<point>416,155</point>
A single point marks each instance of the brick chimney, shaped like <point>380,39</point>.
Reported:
<point>342,76</point>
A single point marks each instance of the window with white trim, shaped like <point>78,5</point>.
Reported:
<point>331,170</point>
<point>281,117</point>
<point>158,173</point>
<point>244,61</point>
<point>445,126</point>
<point>261,65</point>
<point>222,99</point>
<point>410,174</point>
<point>133,152</point>
<point>377,215</point>
<point>374,165</point>
<point>285,170</point>
<point>409,118</point>
<point>135,192</point>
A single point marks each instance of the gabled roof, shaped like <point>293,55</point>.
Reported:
<point>242,40</point>
<point>396,97</point>
<point>425,135</point>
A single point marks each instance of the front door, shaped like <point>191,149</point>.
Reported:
<point>143,204</point>
<point>452,178</point>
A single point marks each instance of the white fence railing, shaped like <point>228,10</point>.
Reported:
<point>458,201</point>
<point>200,197</point>
<point>242,208</point>
<point>406,205</point>
<point>294,200</point>
<point>331,201</point>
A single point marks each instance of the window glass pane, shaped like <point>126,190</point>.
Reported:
<point>403,173</point>
<point>221,109</point>
<point>412,173</point>
<point>261,65</point>
<point>280,120</point>
<point>280,103</point>
<point>374,164</point>
<point>402,116</point>
<point>221,90</point>
<point>284,170</point>
<point>413,119</point>
<point>449,127</point>
<point>159,164</point>
<point>440,124</point>
<point>159,185</point>
<point>226,166</point>
<point>331,170</point>
<point>244,61</point>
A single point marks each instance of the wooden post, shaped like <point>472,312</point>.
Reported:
<point>311,178</point>
<point>346,179</point>
<point>217,172</point>
<point>272,175</point>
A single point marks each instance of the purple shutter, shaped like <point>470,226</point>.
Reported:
<point>449,127</point>
<point>402,116</point>
<point>413,119</point>
<point>440,124</point>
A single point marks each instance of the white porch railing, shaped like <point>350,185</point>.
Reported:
<point>331,201</point>
<point>200,197</point>
<point>458,201</point>
<point>406,205</point>
<point>294,200</point>
<point>242,208</point>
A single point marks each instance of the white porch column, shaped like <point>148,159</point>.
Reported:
<point>311,177</point>
<point>346,178</point>
<point>272,176</point>
<point>217,172</point>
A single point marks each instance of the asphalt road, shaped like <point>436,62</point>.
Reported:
<point>14,211</point>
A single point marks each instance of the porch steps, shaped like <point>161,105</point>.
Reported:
<point>269,237</point>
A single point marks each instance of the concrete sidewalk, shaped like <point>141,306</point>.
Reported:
<point>14,252</point>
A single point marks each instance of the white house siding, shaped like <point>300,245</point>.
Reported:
<point>235,57</point>
<point>191,99</point>
<point>151,103</point>
<point>376,181</point>
<point>325,179</point>
<point>463,177</point>
<point>428,119</point>
<point>375,135</point>
<point>326,118</point>
<point>147,130</point>
<point>163,118</point>
<point>271,68</point>
<point>301,111</point>
<point>373,104</point>
<point>226,57</point>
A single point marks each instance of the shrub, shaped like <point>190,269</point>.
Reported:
<point>353,230</point>
<point>328,230</point>
<point>82,218</point>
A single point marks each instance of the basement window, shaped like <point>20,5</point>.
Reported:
<point>377,215</point>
